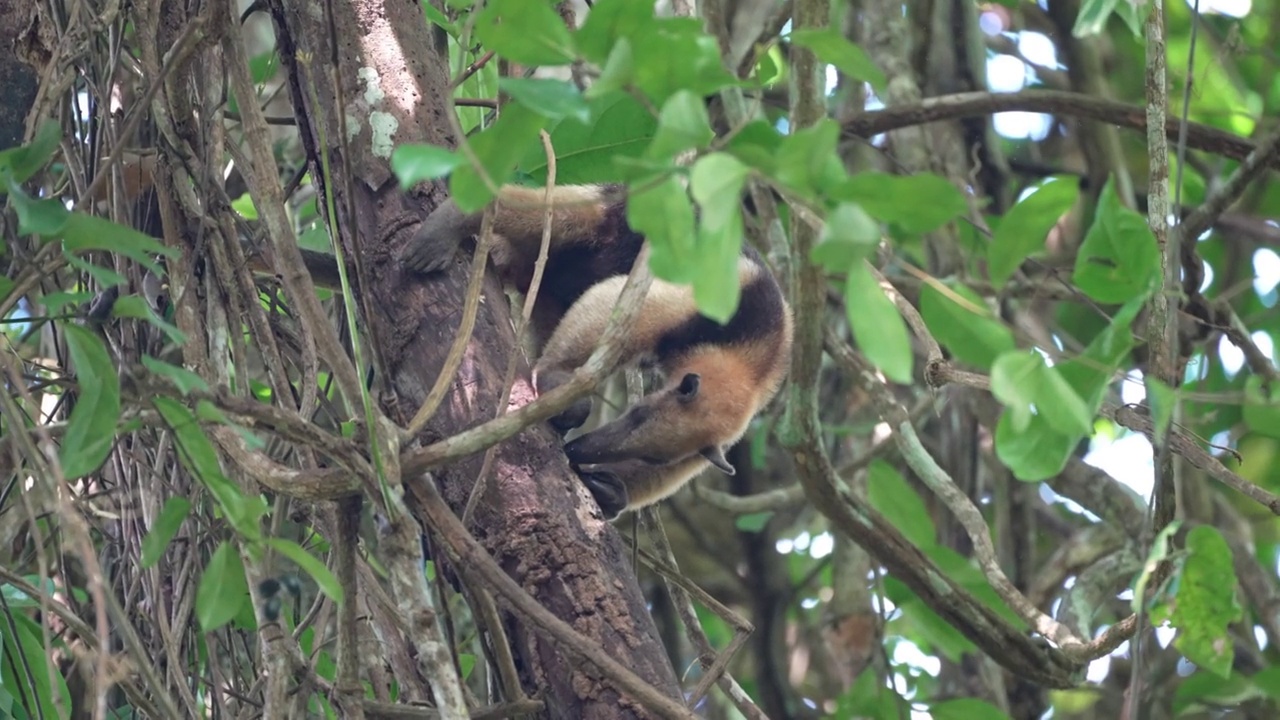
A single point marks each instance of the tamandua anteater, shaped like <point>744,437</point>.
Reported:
<point>717,376</point>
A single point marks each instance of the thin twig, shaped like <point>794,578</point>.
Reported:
<point>531,297</point>
<point>474,563</point>
<point>601,364</point>
<point>681,589</point>
<point>1263,157</point>
<point>461,339</point>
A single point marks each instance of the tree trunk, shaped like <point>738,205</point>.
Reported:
<point>535,518</point>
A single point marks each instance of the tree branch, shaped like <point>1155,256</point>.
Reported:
<point>962,105</point>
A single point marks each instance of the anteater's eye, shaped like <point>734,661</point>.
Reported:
<point>688,389</point>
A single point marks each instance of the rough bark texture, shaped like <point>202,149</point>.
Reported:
<point>17,79</point>
<point>536,519</point>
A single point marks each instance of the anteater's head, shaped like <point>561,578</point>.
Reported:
<point>702,410</point>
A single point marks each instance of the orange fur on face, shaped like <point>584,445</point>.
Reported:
<point>667,426</point>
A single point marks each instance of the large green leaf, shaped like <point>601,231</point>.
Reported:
<point>807,161</point>
<point>1034,453</point>
<point>663,213</point>
<point>716,184</point>
<point>18,164</point>
<point>1027,386</point>
<point>91,430</point>
<point>849,236</point>
<point>1262,406</point>
<point>324,578</point>
<point>199,457</point>
<point>1205,604</point>
<point>415,162</point>
<point>498,148</point>
<point>1118,260</point>
<point>833,48</point>
<point>879,329</point>
<point>1021,232</point>
<point>900,504</point>
<point>916,203</point>
<point>683,124</point>
<point>526,31</point>
<point>163,529</point>
<point>223,589</point>
<point>961,321</point>
<point>552,99</point>
<point>619,128</point>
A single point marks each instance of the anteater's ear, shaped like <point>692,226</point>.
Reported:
<point>715,456</point>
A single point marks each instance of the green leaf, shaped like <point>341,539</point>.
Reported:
<point>18,164</point>
<point>184,379</point>
<point>916,203</point>
<point>466,663</point>
<point>832,47</point>
<point>439,19</point>
<point>413,163</point>
<point>86,232</point>
<point>1034,453</point>
<point>877,326</point>
<point>498,148</point>
<point>620,128</point>
<point>1155,555</point>
<point>1092,18</point>
<point>104,276</point>
<point>683,124</point>
<point>528,32</point>
<point>91,430</point>
<point>1090,373</point>
<point>968,329</point>
<point>1206,602</point>
<point>867,697</point>
<point>757,144</point>
<point>901,505</point>
<point>923,625</point>
<point>1027,386</point>
<point>553,99</point>
<point>618,73</point>
<point>807,161</point>
<point>670,55</point>
<point>38,217</point>
<point>162,531</point>
<point>753,522</point>
<point>24,664</point>
<point>1202,690</point>
<point>1021,232</point>
<point>223,590</point>
<point>663,214</point>
<point>199,457</point>
<point>1011,377</point>
<point>849,236</point>
<point>1118,260</point>
<point>1262,407</point>
<point>136,306</point>
<point>324,578</point>
<point>716,184</point>
<point>607,23</point>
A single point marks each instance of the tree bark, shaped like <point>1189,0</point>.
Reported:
<point>535,518</point>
